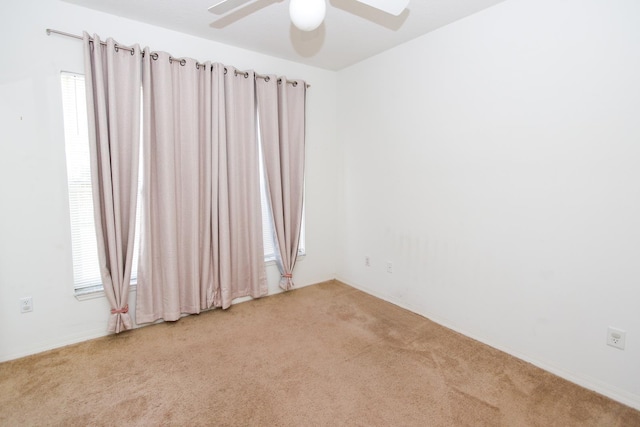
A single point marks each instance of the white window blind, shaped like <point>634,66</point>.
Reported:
<point>86,270</point>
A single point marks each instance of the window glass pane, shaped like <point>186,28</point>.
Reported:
<point>268,237</point>
<point>86,270</point>
<point>267,227</point>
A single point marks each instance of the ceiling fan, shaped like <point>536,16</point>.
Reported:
<point>307,15</point>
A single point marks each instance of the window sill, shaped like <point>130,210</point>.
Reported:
<point>94,292</point>
<point>271,260</point>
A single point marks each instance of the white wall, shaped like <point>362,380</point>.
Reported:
<point>496,163</point>
<point>35,247</point>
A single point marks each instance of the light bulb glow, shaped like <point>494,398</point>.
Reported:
<point>307,15</point>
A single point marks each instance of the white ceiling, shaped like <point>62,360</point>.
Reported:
<point>350,33</point>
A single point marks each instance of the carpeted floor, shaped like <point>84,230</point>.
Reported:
<point>324,355</point>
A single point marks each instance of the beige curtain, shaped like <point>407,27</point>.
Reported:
<point>113,107</point>
<point>176,192</point>
<point>201,230</point>
<point>281,110</point>
<point>239,263</point>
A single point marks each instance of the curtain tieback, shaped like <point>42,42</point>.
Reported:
<point>287,276</point>
<point>122,310</point>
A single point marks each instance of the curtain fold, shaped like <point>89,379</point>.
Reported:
<point>113,78</point>
<point>281,110</point>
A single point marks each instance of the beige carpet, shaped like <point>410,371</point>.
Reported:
<point>324,355</point>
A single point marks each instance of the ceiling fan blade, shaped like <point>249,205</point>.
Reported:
<point>393,7</point>
<point>222,7</point>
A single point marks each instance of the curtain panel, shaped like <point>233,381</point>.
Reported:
<point>201,236</point>
<point>113,78</point>
<point>281,109</point>
<point>240,268</point>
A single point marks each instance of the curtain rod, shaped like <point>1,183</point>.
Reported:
<point>245,73</point>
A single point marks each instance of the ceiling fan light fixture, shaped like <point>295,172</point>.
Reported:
<point>307,15</point>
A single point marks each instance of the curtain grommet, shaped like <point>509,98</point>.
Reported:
<point>266,79</point>
<point>154,56</point>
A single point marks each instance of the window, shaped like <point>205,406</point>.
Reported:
<point>86,270</point>
<point>268,238</point>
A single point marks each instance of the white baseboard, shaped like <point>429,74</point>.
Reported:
<point>615,393</point>
<point>58,343</point>
<point>99,333</point>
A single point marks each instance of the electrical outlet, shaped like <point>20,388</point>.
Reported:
<point>26,304</point>
<point>367,261</point>
<point>389,267</point>
<point>616,337</point>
